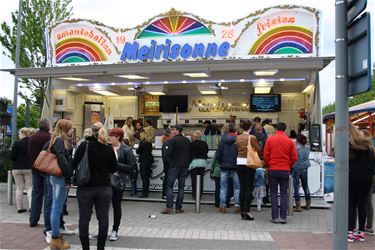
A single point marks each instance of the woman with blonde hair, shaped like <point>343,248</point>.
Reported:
<point>198,158</point>
<point>22,168</point>
<point>98,191</point>
<point>60,146</point>
<point>146,159</point>
<point>361,171</point>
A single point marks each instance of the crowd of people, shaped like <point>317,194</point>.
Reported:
<point>110,154</point>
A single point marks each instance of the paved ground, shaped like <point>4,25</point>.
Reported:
<point>206,230</point>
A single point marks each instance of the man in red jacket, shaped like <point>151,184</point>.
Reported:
<point>279,154</point>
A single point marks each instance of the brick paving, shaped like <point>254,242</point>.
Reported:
<point>206,230</point>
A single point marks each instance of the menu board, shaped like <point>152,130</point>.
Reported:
<point>265,103</point>
<point>149,104</point>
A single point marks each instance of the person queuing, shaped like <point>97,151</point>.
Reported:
<point>361,171</point>
<point>279,155</point>
<point>145,159</point>
<point>300,173</point>
<point>137,131</point>
<point>257,121</point>
<point>61,147</point>
<point>209,129</point>
<point>127,163</point>
<point>215,175</point>
<point>198,164</point>
<point>245,174</point>
<point>21,169</point>
<point>164,155</point>
<point>42,191</point>
<point>98,191</point>
<point>179,159</point>
<point>270,130</point>
<point>150,131</point>
<point>227,157</point>
<point>128,131</point>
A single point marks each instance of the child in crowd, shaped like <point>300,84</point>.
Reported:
<point>259,187</point>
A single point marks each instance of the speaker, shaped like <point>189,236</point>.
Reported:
<point>315,138</point>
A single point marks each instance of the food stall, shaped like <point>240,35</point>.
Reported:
<point>265,64</point>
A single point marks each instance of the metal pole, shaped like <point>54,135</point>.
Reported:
<point>198,194</point>
<point>10,188</point>
<point>290,197</point>
<point>27,113</point>
<point>15,93</point>
<point>340,212</point>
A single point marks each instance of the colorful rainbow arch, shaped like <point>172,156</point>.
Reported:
<point>174,26</point>
<point>284,40</point>
<point>76,49</point>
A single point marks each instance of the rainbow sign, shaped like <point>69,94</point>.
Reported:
<point>77,49</point>
<point>287,39</point>
<point>174,26</point>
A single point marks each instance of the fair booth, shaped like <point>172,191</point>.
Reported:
<point>265,64</point>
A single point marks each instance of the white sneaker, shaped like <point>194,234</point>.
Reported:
<point>48,236</point>
<point>114,236</point>
<point>66,231</point>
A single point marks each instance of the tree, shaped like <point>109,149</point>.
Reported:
<point>355,100</point>
<point>37,15</point>
<point>21,116</point>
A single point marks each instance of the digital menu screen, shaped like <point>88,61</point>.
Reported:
<point>265,103</point>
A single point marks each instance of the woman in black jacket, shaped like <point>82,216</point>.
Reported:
<point>361,171</point>
<point>146,159</point>
<point>127,163</point>
<point>98,191</point>
<point>61,147</point>
<point>22,168</point>
<point>198,164</point>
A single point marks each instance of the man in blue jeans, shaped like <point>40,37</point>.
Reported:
<point>279,155</point>
<point>179,159</point>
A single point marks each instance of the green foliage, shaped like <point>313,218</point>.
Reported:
<point>355,100</point>
<point>21,116</point>
<point>37,15</point>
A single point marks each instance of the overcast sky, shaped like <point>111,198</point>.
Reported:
<point>131,13</point>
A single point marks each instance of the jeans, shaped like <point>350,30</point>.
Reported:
<point>42,190</point>
<point>145,170</point>
<point>246,178</point>
<point>193,175</point>
<point>275,179</point>
<point>300,174</point>
<point>23,180</point>
<point>358,191</point>
<point>224,175</point>
<point>88,197</point>
<point>173,174</point>
<point>59,193</point>
<point>116,204</point>
<point>165,180</point>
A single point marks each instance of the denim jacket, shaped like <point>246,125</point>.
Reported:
<point>303,161</point>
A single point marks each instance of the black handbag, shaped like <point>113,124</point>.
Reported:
<point>82,174</point>
<point>117,182</point>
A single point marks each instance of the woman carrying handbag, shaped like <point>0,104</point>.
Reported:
<point>60,147</point>
<point>127,163</point>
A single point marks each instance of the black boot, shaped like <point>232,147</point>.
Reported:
<point>85,242</point>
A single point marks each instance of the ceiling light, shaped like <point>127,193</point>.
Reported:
<point>104,92</point>
<point>282,79</point>
<point>262,90</point>
<point>208,92</point>
<point>131,88</point>
<point>183,81</point>
<point>200,74</point>
<point>308,88</point>
<point>113,83</point>
<point>242,80</point>
<point>73,78</point>
<point>165,82</point>
<point>147,82</point>
<point>156,93</point>
<point>270,72</point>
<point>203,81</point>
<point>133,77</point>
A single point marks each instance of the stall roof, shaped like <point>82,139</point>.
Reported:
<point>360,108</point>
<point>293,73</point>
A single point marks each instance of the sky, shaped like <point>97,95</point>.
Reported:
<point>131,13</point>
